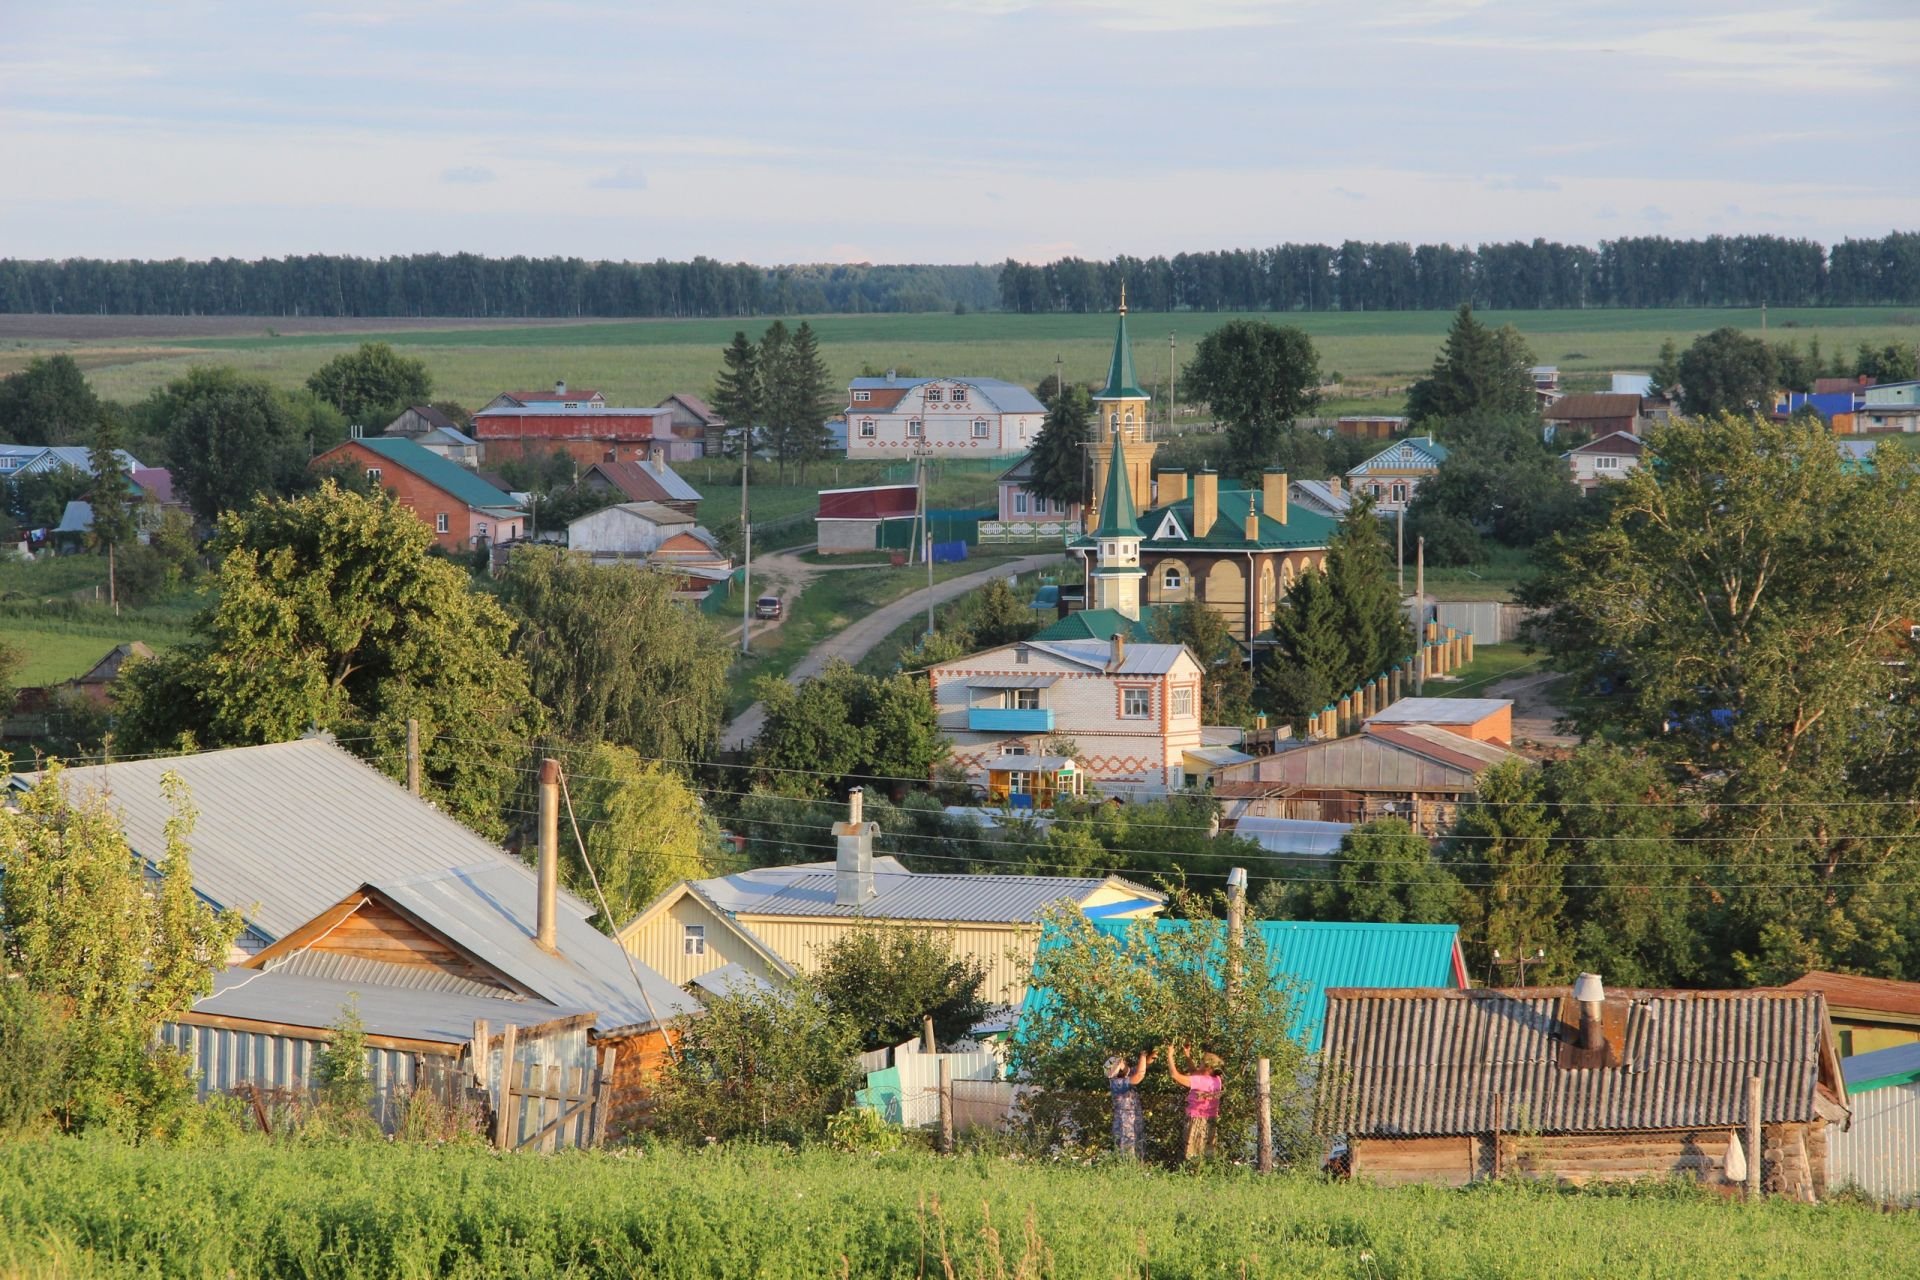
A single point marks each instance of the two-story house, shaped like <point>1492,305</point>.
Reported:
<point>1130,712</point>
<point>1889,407</point>
<point>1392,476</point>
<point>1608,458</point>
<point>463,510</point>
<point>894,417</point>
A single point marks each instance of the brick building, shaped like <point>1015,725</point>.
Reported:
<point>463,510</point>
<point>589,434</point>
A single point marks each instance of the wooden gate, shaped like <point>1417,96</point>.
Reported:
<point>548,1086</point>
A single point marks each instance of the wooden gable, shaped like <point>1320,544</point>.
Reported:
<point>365,926</point>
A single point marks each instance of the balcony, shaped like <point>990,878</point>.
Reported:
<point>1010,720</point>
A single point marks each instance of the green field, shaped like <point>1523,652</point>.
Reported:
<point>1491,664</point>
<point>47,613</point>
<point>641,361</point>
<point>76,1208</point>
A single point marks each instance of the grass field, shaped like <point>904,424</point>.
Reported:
<point>640,361</point>
<point>82,1208</point>
<point>1491,664</point>
<point>62,636</point>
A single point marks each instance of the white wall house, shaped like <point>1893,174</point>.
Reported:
<point>1132,712</point>
<point>889,417</point>
<point>1608,458</point>
<point>632,529</point>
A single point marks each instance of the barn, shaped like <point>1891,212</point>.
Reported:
<point>866,519</point>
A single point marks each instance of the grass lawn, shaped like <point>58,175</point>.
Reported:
<point>641,361</point>
<point>83,1208</point>
<point>1498,577</point>
<point>1491,663</point>
<point>61,636</point>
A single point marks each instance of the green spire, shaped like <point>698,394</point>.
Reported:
<point>1117,517</point>
<point>1122,383</point>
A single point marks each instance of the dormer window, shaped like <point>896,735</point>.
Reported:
<point>959,395</point>
<point>863,397</point>
<point>933,395</point>
<point>1170,530</point>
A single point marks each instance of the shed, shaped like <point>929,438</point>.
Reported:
<point>649,481</point>
<point>1481,719</point>
<point>857,519</point>
<point>1417,772</point>
<point>1879,1152</point>
<point>1455,1086</point>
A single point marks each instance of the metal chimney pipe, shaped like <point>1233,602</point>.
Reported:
<point>546,932</point>
<point>1591,994</point>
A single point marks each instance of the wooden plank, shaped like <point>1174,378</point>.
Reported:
<point>602,1097</point>
<point>504,1134</point>
<point>291,1032</point>
<point>477,1051</point>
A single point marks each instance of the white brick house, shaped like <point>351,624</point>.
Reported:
<point>1132,712</point>
<point>889,417</point>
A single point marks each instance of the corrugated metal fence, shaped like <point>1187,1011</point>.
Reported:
<point>1880,1154</point>
<point>1487,621</point>
<point>224,1060</point>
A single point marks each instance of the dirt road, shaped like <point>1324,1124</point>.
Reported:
<point>1534,714</point>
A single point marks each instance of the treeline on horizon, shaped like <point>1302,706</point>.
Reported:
<point>1641,271</point>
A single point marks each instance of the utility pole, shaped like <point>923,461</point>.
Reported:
<point>746,545</point>
<point>926,523</point>
<point>1236,929</point>
<point>1400,547</point>
<point>1059,387</point>
<point>1171,383</point>
<point>1420,603</point>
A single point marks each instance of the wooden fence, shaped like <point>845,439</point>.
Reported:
<point>548,1086</point>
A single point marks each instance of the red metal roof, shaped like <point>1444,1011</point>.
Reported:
<point>1850,991</point>
<point>1599,404</point>
<point>881,502</point>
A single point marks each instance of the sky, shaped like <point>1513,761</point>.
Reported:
<point>942,130</point>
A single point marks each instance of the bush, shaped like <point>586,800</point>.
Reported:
<point>1451,541</point>
<point>33,1050</point>
<point>859,1129</point>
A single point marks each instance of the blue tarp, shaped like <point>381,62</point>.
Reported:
<point>949,552</point>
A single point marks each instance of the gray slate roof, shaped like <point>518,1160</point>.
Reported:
<point>385,1011</point>
<point>1138,660</point>
<point>981,899</point>
<point>995,393</point>
<point>1425,1063</point>
<point>1440,710</point>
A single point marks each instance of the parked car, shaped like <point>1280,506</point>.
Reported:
<point>767,607</point>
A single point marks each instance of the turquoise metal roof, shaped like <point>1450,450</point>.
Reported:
<point>449,477</point>
<point>1318,954</point>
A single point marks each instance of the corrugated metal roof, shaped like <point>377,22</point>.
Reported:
<point>447,476</point>
<point>1851,991</point>
<point>651,481</point>
<point>356,969</point>
<point>971,899</point>
<point>490,910</point>
<point>1395,758</point>
<point>734,892</point>
<point>1441,710</point>
<point>1011,682</point>
<point>1592,404</point>
<point>1882,1068</point>
<point>1413,453</point>
<point>287,830</point>
<point>301,1001</point>
<point>1007,397</point>
<point>1137,660</point>
<point>732,979</point>
<point>1430,1063</point>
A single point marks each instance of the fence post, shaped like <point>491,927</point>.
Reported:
<point>413,756</point>
<point>603,1096</point>
<point>946,1105</point>
<point>1266,1116</point>
<point>926,1034</point>
<point>503,1115</point>
<point>1754,1156</point>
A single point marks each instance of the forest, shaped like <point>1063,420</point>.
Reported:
<point>1643,271</point>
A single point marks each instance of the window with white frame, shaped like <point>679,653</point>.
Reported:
<point>979,428</point>
<point>1183,701</point>
<point>1170,578</point>
<point>1017,749</point>
<point>373,474</point>
<point>915,427</point>
<point>1604,463</point>
<point>1136,704</point>
<point>863,397</point>
<point>1399,493</point>
<point>1023,699</point>
<point>693,941</point>
<point>1020,502</point>
<point>1017,784</point>
<point>934,395</point>
<point>866,428</point>
<point>440,522</point>
<point>1022,656</point>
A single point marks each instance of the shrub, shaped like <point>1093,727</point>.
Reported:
<point>859,1129</point>
<point>33,1050</point>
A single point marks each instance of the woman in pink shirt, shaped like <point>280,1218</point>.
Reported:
<point>1203,1100</point>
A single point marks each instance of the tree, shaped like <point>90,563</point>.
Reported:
<point>997,616</point>
<point>372,384</point>
<point>613,656</point>
<point>48,402</point>
<point>1727,371</point>
<point>11,660</point>
<point>808,401</point>
<point>1502,847</point>
<point>737,394</point>
<point>1226,684</point>
<point>330,613</point>
<point>1306,667</point>
<point>841,726</point>
<point>1361,577</point>
<point>1059,457</point>
<point>39,499</point>
<point>1478,371</point>
<point>1257,378</point>
<point>771,1063</point>
<point>885,979</point>
<point>645,829</point>
<point>228,438</point>
<point>1666,374</point>
<point>1383,872</point>
<point>1499,480</point>
<point>1891,363</point>
<point>112,498</point>
<point>81,925</point>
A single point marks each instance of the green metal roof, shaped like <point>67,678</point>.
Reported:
<point>1122,382</point>
<point>1116,505</point>
<point>1101,624</point>
<point>1882,1068</point>
<point>1304,528</point>
<point>1314,955</point>
<point>439,472</point>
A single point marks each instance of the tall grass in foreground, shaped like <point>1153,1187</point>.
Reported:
<point>80,1208</point>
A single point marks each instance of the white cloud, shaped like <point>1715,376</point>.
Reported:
<point>628,177</point>
<point>467,173</point>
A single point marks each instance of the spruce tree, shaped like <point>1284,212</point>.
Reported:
<point>1502,848</point>
<point>112,500</point>
<point>1479,370</point>
<point>1361,576</point>
<point>1059,470</point>
<point>1310,655</point>
<point>811,400</point>
<point>1666,374</point>
<point>736,393</point>
<point>1226,686</point>
<point>776,391</point>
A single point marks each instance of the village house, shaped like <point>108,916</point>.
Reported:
<point>352,888</point>
<point>650,481</point>
<point>557,397</point>
<point>1392,476</point>
<point>461,509</point>
<point>586,433</point>
<point>1581,1084</point>
<point>871,518</point>
<point>1329,497</point>
<point>1418,773</point>
<point>896,417</point>
<point>1131,710</point>
<point>768,923</point>
<point>691,417</point>
<point>1608,457</point>
<point>435,432</point>
<point>1022,515</point>
<point>36,706</point>
<point>638,530</point>
<point>1868,1013</point>
<point>1592,415</point>
<point>1889,407</point>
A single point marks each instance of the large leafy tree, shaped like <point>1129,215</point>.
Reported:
<point>887,979</point>
<point>1257,378</point>
<point>1748,601</point>
<point>1059,470</point>
<point>82,925</point>
<point>1499,480</point>
<point>38,500</point>
<point>330,613</point>
<point>372,383</point>
<point>48,402</point>
<point>1382,872</point>
<point>613,656</point>
<point>1727,371</point>
<point>1478,371</point>
<point>228,438</point>
<point>843,726</point>
<point>644,827</point>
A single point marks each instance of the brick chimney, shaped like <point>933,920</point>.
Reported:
<point>1172,487</point>
<point>1253,517</point>
<point>853,857</point>
<point>1333,485</point>
<point>1273,493</point>
<point>1119,654</point>
<point>1206,502</point>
